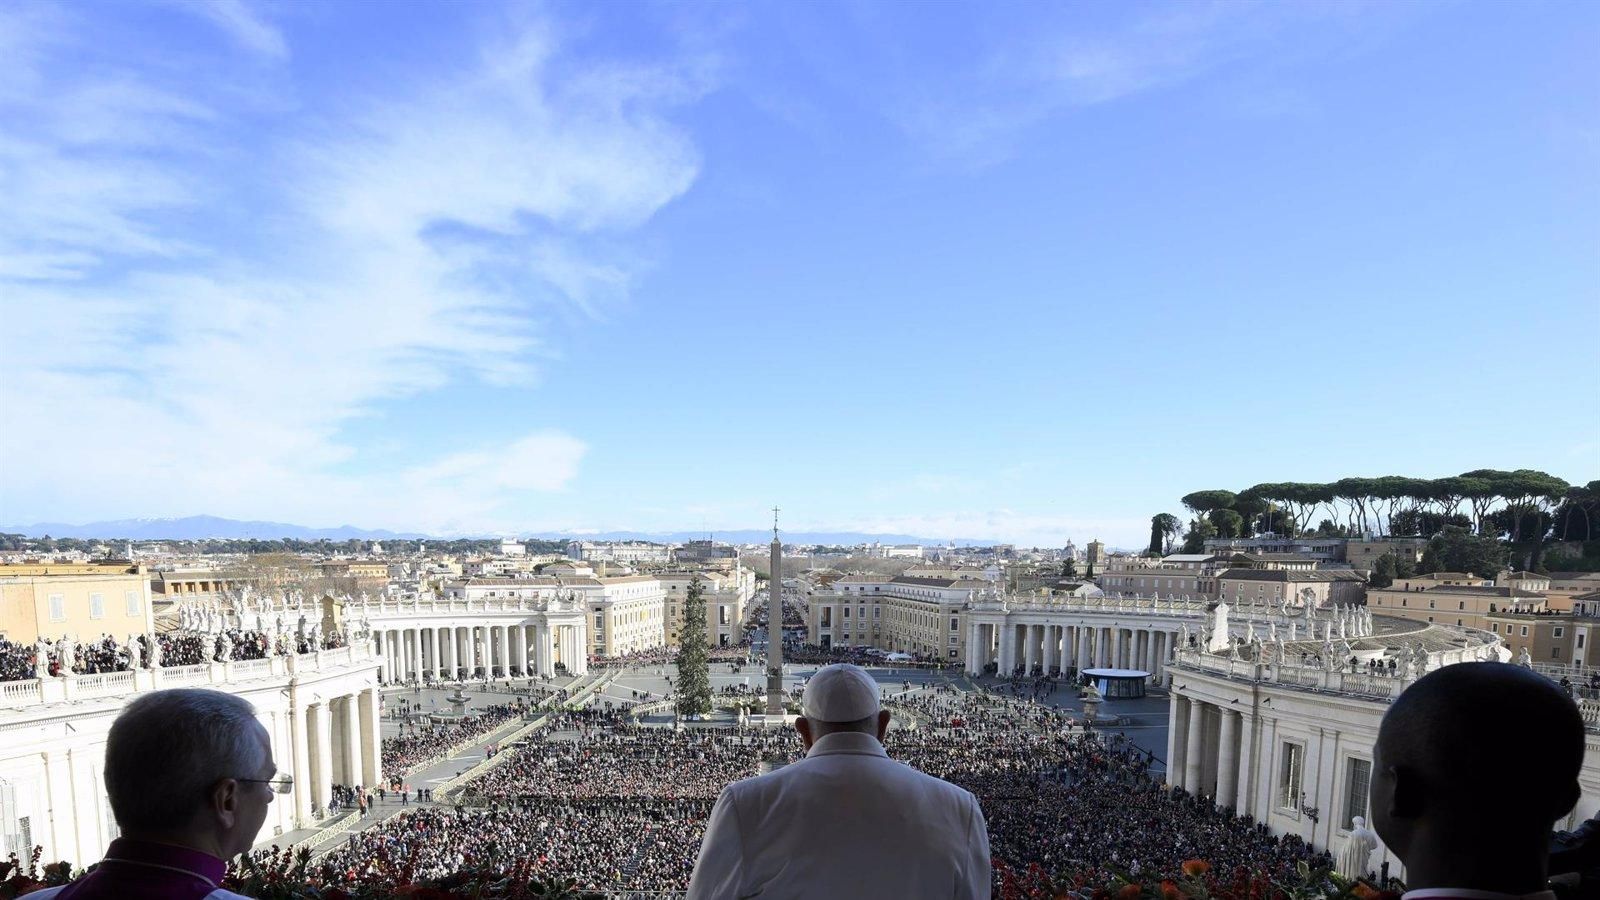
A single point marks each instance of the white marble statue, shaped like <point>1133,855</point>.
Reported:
<point>224,647</point>
<point>155,652</point>
<point>41,658</point>
<point>1272,632</point>
<point>1356,855</point>
<point>135,652</point>
<point>68,650</point>
<point>1250,631</point>
<point>1183,636</point>
<point>1294,631</point>
<point>1419,659</point>
<point>1525,659</point>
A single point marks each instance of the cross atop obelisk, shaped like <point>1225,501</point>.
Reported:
<point>775,625</point>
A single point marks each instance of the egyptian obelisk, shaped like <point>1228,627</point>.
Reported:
<point>775,625</point>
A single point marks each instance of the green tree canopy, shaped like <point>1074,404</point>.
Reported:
<point>694,666</point>
<point>1459,550</point>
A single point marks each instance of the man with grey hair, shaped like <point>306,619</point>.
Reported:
<point>190,774</point>
<point>846,821</point>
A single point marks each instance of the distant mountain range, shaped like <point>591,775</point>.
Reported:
<point>192,528</point>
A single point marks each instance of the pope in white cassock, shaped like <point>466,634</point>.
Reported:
<point>846,821</point>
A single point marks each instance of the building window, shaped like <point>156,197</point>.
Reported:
<point>58,608</point>
<point>131,601</point>
<point>599,623</point>
<point>1555,652</point>
<point>1524,631</point>
<point>954,626</point>
<point>97,606</point>
<point>1357,782</point>
<point>1581,636</point>
<point>1289,775</point>
<point>1557,632</point>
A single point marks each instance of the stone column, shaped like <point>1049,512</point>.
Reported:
<point>1030,647</point>
<point>441,642</point>
<point>1081,657</point>
<point>322,764</point>
<point>503,642</point>
<point>1228,760</point>
<point>541,649</point>
<point>351,742</point>
<point>1192,749</point>
<point>416,654</point>
<point>1052,644</point>
<point>299,732</point>
<point>1177,739</point>
<point>371,739</point>
<point>1008,650</point>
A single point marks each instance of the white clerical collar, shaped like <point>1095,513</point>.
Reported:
<point>1470,894</point>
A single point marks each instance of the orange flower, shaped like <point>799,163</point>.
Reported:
<point>1169,891</point>
<point>1130,892</point>
<point>1364,891</point>
<point>1195,867</point>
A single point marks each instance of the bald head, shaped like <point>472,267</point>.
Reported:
<point>1474,755</point>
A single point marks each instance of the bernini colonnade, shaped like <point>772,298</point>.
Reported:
<point>1082,633</point>
<point>448,638</point>
<point>320,710</point>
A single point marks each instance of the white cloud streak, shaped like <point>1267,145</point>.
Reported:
<point>157,369</point>
<point>241,23</point>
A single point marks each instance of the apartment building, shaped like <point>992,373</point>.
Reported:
<point>922,616</point>
<point>727,595</point>
<point>1453,598</point>
<point>84,600</point>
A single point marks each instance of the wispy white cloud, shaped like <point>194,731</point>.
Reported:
<point>241,22</point>
<point>978,112</point>
<point>159,368</point>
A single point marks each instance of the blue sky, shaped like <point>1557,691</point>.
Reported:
<point>1001,270</point>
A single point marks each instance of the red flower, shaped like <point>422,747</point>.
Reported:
<point>1169,891</point>
<point>1194,868</point>
<point>1130,892</point>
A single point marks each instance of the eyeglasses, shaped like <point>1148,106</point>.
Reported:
<point>281,784</point>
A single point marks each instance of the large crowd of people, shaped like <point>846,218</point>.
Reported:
<point>618,806</point>
<point>180,647</point>
<point>416,744</point>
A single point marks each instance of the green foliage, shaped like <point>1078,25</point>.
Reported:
<point>1200,530</point>
<point>1206,501</point>
<point>1459,550</point>
<point>1164,529</point>
<point>1069,568</point>
<point>1229,524</point>
<point>694,668</point>
<point>1383,571</point>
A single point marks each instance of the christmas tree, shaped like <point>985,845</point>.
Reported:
<point>694,670</point>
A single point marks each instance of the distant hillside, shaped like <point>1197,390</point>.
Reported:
<point>194,528</point>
